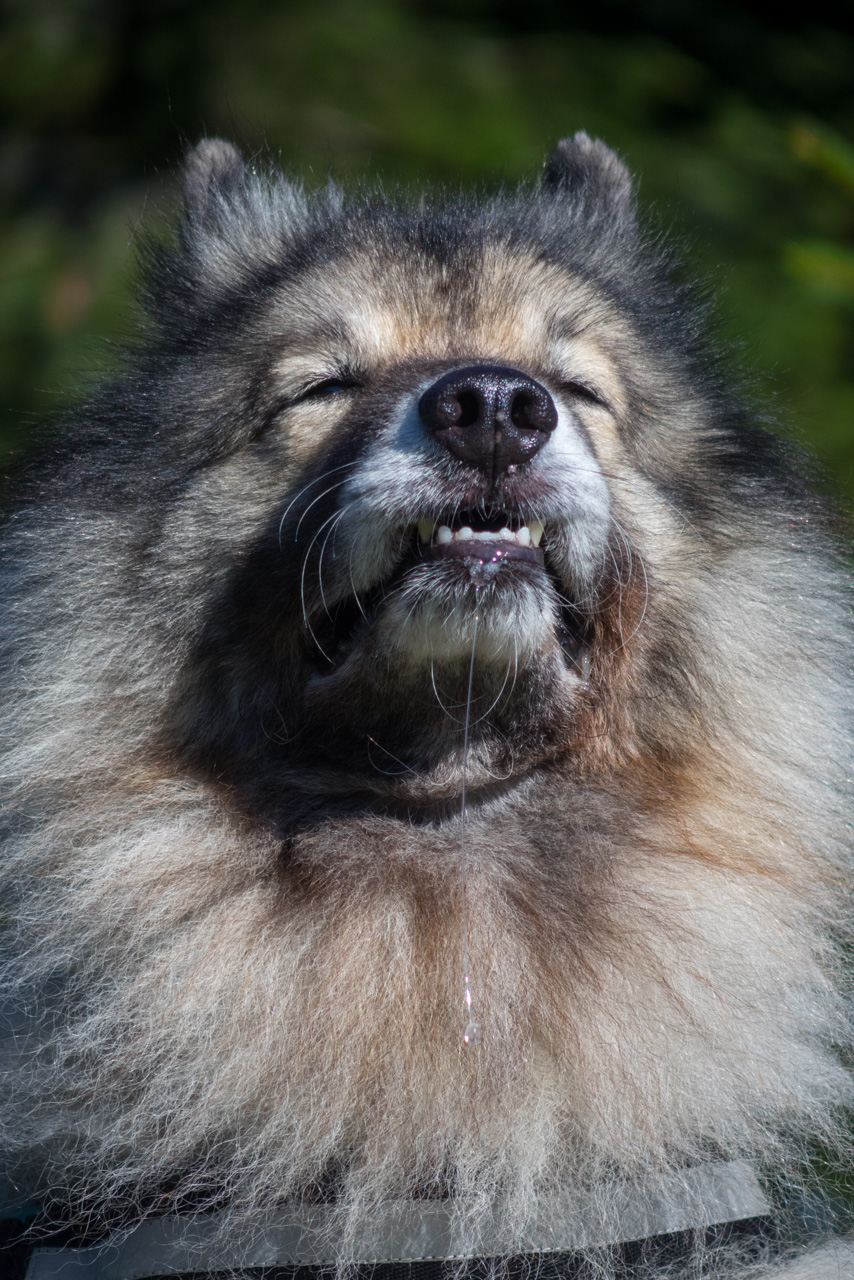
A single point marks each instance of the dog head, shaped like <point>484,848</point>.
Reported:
<point>455,426</point>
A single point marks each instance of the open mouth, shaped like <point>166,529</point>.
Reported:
<point>476,535</point>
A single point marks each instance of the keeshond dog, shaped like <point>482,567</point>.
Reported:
<point>426,770</point>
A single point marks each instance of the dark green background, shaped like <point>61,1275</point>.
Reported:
<point>739,130</point>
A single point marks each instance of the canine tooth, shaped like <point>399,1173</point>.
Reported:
<point>465,534</point>
<point>523,536</point>
<point>425,530</point>
<point>443,534</point>
<point>535,529</point>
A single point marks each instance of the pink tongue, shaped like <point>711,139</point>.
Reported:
<point>483,549</point>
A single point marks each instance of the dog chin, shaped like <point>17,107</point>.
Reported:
<point>504,634</point>
<point>498,613</point>
<point>465,641</point>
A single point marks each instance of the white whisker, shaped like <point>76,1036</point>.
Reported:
<point>333,522</point>
<point>317,480</point>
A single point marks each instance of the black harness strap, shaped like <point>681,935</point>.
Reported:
<point>752,1239</point>
<point>421,1240</point>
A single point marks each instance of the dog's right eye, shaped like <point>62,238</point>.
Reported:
<point>328,387</point>
<point>320,390</point>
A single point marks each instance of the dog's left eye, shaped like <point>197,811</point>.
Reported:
<point>581,391</point>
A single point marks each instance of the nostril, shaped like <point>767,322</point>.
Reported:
<point>470,408</point>
<point>533,412</point>
<point>519,410</point>
<point>457,406</point>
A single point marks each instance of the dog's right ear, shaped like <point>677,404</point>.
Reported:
<point>213,169</point>
<point>585,167</point>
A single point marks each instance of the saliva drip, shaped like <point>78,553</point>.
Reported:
<point>472,1032</point>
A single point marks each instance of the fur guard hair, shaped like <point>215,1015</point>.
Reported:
<point>234,700</point>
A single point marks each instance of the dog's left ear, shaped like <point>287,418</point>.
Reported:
<point>212,169</point>
<point>585,166</point>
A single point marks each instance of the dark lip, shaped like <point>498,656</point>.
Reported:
<point>481,551</point>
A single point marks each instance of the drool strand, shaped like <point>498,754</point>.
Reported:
<point>472,1031</point>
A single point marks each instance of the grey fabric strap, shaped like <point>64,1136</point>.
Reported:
<point>412,1231</point>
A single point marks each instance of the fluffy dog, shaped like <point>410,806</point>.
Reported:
<point>428,742</point>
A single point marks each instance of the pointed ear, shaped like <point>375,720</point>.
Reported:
<point>585,165</point>
<point>212,169</point>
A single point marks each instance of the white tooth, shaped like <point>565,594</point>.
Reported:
<point>523,537</point>
<point>464,535</point>
<point>443,534</point>
<point>425,530</point>
<point>505,534</point>
<point>535,529</point>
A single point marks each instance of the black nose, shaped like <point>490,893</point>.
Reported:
<point>488,417</point>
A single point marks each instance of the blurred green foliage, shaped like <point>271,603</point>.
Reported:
<point>737,124</point>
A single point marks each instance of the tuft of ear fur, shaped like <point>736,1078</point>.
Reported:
<point>212,169</point>
<point>585,165</point>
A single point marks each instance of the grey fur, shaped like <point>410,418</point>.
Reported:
<point>233,864</point>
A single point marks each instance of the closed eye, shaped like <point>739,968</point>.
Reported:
<point>324,388</point>
<point>581,391</point>
<point>328,387</point>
